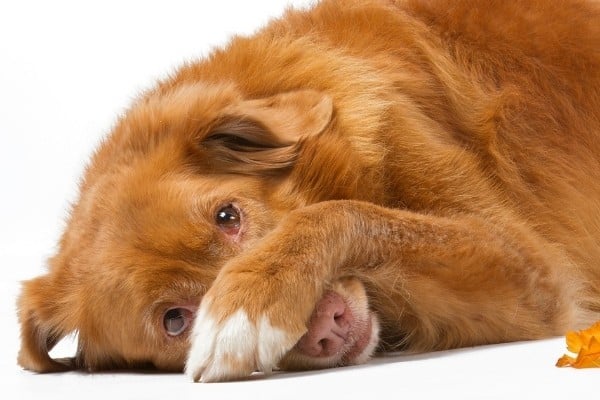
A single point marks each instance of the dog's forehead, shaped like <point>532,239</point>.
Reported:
<point>169,211</point>
<point>138,203</point>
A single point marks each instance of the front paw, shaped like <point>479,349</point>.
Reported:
<point>230,343</point>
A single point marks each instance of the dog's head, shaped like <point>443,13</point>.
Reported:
<point>187,180</point>
<point>191,176</point>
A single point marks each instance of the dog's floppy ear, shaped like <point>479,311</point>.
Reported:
<point>262,135</point>
<point>44,319</point>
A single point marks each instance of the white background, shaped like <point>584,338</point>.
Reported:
<point>67,69</point>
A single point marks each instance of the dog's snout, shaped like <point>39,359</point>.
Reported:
<point>328,329</point>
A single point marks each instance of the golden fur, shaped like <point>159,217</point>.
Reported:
<point>444,154</point>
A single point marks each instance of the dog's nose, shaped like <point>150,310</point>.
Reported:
<point>328,328</point>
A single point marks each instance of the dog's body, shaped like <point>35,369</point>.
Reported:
<point>366,174</point>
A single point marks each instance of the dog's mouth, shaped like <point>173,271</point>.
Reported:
<point>341,331</point>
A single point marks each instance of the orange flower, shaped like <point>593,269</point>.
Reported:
<point>586,344</point>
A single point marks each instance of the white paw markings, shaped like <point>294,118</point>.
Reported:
<point>272,345</point>
<point>234,348</point>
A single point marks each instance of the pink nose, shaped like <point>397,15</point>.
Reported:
<point>328,327</point>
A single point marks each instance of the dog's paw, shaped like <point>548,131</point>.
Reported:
<point>231,344</point>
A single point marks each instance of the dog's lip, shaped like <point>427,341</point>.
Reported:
<point>362,338</point>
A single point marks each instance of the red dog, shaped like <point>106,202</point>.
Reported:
<point>366,175</point>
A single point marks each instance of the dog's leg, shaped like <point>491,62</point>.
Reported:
<point>458,281</point>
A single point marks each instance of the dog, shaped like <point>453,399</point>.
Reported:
<point>358,177</point>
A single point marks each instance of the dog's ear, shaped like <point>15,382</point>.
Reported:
<point>263,135</point>
<point>45,318</point>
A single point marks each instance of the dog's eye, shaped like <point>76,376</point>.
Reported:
<point>176,320</point>
<point>228,219</point>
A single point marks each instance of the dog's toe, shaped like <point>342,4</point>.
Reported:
<point>221,351</point>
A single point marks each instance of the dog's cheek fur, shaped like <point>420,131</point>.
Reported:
<point>132,303</point>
